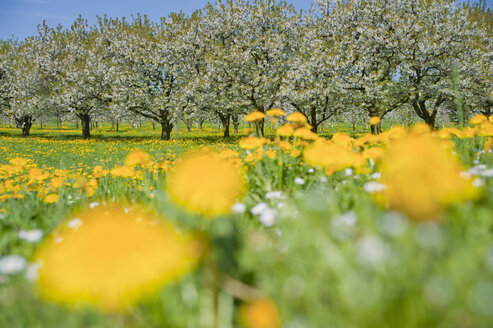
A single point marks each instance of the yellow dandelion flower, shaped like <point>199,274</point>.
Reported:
<point>255,156</point>
<point>421,127</point>
<point>331,156</point>
<point>422,176</point>
<point>98,172</point>
<point>284,145</point>
<point>111,256</point>
<point>271,153</point>
<point>488,144</point>
<point>260,313</point>
<point>138,157</point>
<point>51,198</point>
<point>18,161</point>
<point>305,133</point>
<point>275,112</point>
<point>123,171</point>
<point>164,165</point>
<point>254,116</point>
<point>343,140</point>
<point>205,183</point>
<point>375,153</point>
<point>56,183</point>
<point>485,129</point>
<point>297,117</point>
<point>252,142</point>
<point>374,120</point>
<point>478,119</point>
<point>295,153</point>
<point>286,130</point>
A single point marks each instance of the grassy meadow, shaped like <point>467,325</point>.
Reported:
<point>291,230</point>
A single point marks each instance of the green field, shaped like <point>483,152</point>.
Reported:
<point>333,256</point>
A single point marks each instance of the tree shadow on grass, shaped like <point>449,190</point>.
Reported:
<point>119,137</point>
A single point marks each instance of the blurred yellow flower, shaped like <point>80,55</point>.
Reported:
<point>260,313</point>
<point>297,117</point>
<point>421,127</point>
<point>422,176</point>
<point>254,116</point>
<point>138,157</point>
<point>111,256</point>
<point>203,182</point>
<point>123,171</point>
<point>478,119</point>
<point>275,112</point>
<point>305,133</point>
<point>374,120</point>
<point>18,161</point>
<point>252,142</point>
<point>51,198</point>
<point>286,130</point>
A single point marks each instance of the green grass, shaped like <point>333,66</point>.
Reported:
<point>322,268</point>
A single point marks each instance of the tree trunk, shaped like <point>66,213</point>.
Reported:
<point>236,123</point>
<point>225,119</point>
<point>24,122</point>
<point>419,107</point>
<point>166,128</point>
<point>376,128</point>
<point>117,125</point>
<point>85,121</point>
<point>313,120</point>
<point>201,123</point>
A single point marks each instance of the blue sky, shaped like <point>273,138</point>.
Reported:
<point>20,17</point>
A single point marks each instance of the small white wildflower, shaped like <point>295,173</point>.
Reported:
<point>488,173</point>
<point>31,236</point>
<point>478,183</point>
<point>12,264</point>
<point>273,195</point>
<point>393,224</point>
<point>93,204</point>
<point>299,181</point>
<point>374,186</point>
<point>348,171</point>
<point>342,226</point>
<point>238,208</point>
<point>74,223</point>
<point>268,217</point>
<point>259,208</point>
<point>323,179</point>
<point>311,170</point>
<point>376,175</point>
<point>371,251</point>
<point>32,271</point>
